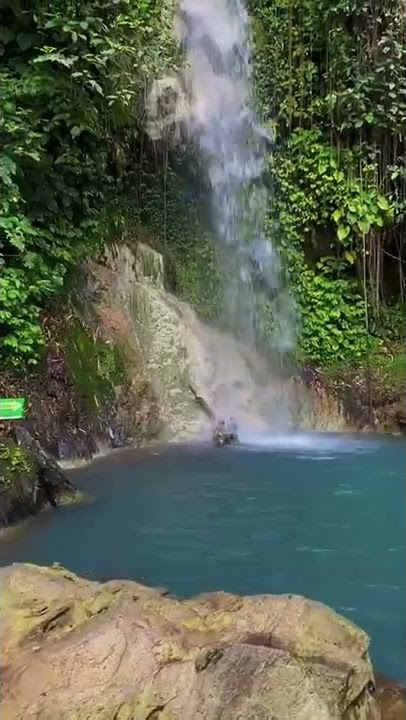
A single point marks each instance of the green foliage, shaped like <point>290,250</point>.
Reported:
<point>382,375</point>
<point>95,366</point>
<point>333,325</point>
<point>76,167</point>
<point>14,462</point>
<point>390,365</point>
<point>322,185</point>
<point>198,281</point>
<point>391,323</point>
<point>73,83</point>
<point>321,215</point>
<point>172,209</point>
<point>331,80</point>
<point>396,368</point>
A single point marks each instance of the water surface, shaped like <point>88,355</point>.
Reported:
<point>322,516</point>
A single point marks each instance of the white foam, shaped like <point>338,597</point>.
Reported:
<point>319,443</point>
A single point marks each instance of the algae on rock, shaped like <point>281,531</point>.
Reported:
<point>122,650</point>
<point>95,366</point>
<point>30,478</point>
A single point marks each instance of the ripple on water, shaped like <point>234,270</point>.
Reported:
<point>199,519</point>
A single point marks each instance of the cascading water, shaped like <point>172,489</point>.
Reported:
<point>238,372</point>
<point>223,122</point>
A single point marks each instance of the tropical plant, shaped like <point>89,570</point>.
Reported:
<point>331,80</point>
<point>73,84</point>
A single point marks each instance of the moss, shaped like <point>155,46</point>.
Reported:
<point>14,462</point>
<point>78,498</point>
<point>391,367</point>
<point>57,613</point>
<point>198,280</point>
<point>100,602</point>
<point>94,365</point>
<point>216,622</point>
<point>384,369</point>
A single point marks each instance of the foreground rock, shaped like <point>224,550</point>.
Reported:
<point>391,698</point>
<point>76,649</point>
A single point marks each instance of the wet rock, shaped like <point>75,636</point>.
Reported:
<point>42,458</point>
<point>56,365</point>
<point>366,402</point>
<point>118,436</point>
<point>391,698</point>
<point>74,444</point>
<point>31,480</point>
<point>400,415</point>
<point>123,650</point>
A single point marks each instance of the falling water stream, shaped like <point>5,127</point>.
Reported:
<point>234,146</point>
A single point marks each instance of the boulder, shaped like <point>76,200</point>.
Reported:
<point>75,649</point>
<point>30,479</point>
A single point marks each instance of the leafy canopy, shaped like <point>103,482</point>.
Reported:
<point>73,84</point>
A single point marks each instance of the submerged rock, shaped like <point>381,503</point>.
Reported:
<point>72,648</point>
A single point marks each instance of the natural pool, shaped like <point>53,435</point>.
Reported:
<point>322,516</point>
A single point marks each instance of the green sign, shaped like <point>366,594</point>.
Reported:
<point>12,408</point>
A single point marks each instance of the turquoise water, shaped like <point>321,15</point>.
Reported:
<point>323,516</point>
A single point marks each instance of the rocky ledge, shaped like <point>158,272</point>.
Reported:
<point>75,649</point>
<point>30,478</point>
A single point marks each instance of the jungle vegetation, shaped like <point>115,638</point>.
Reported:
<point>77,168</point>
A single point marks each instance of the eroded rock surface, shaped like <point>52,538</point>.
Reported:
<point>75,649</point>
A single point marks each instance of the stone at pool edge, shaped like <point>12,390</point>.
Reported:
<point>213,656</point>
<point>30,489</point>
<point>391,698</point>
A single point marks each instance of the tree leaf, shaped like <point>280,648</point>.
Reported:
<point>96,86</point>
<point>6,34</point>
<point>17,240</point>
<point>364,226</point>
<point>76,131</point>
<point>25,40</point>
<point>382,202</point>
<point>343,231</point>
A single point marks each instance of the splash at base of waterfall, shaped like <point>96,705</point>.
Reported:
<point>234,380</point>
<point>174,350</point>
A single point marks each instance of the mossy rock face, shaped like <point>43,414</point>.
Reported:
<point>95,366</point>
<point>18,476</point>
<point>114,397</point>
<point>29,479</point>
<point>122,650</point>
<point>368,398</point>
<point>71,396</point>
<point>15,462</point>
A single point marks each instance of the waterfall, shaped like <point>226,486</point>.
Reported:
<point>222,121</point>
